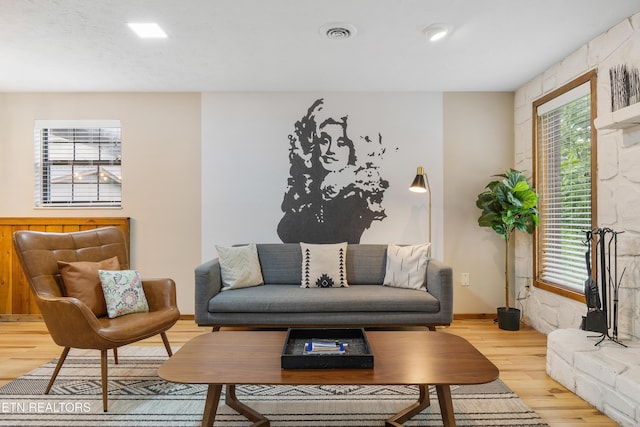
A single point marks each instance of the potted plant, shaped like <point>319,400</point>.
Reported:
<point>507,205</point>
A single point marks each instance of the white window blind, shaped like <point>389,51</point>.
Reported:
<point>78,163</point>
<point>563,182</point>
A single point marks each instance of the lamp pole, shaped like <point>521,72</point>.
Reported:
<point>420,184</point>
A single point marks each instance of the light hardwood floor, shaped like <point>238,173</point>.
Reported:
<point>520,356</point>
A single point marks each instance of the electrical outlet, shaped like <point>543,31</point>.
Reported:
<point>464,279</point>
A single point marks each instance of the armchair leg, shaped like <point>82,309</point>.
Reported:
<point>165,340</point>
<point>61,360</point>
<point>115,355</point>
<point>105,381</point>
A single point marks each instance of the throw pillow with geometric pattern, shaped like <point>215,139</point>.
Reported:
<point>324,265</point>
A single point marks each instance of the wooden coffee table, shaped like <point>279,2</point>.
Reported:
<point>400,357</point>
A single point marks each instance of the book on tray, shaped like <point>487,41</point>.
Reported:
<point>325,347</point>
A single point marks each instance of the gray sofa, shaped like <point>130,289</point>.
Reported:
<point>281,302</point>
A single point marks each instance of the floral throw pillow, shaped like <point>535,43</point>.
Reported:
<point>123,292</point>
<point>324,265</point>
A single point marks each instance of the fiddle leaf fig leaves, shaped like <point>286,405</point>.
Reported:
<point>508,204</point>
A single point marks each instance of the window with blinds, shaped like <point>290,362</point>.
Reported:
<point>78,163</point>
<point>564,180</point>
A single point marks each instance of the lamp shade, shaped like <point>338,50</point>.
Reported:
<point>419,185</point>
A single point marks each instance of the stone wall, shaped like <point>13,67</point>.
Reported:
<point>618,182</point>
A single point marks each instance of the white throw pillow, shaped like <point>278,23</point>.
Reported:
<point>324,265</point>
<point>407,266</point>
<point>239,266</point>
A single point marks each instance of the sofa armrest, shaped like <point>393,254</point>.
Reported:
<point>208,284</point>
<point>440,285</point>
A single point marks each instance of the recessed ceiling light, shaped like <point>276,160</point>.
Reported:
<point>338,31</point>
<point>147,30</point>
<point>436,32</point>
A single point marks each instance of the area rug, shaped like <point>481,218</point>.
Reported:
<point>138,397</point>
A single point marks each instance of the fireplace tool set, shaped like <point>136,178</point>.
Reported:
<point>602,296</point>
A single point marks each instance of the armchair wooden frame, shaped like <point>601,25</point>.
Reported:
<point>70,322</point>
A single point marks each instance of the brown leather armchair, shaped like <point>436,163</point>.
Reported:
<point>70,322</point>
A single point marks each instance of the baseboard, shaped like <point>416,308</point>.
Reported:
<point>20,317</point>
<point>470,316</point>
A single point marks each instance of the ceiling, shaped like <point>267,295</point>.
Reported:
<point>277,45</point>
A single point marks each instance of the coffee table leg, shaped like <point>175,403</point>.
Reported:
<point>446,405</point>
<point>406,414</point>
<point>211,404</point>
<point>232,401</point>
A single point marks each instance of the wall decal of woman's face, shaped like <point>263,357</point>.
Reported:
<point>331,195</point>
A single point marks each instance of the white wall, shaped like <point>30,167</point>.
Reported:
<point>160,169</point>
<point>618,182</point>
<point>478,143</point>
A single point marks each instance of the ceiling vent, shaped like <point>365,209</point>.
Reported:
<point>338,31</point>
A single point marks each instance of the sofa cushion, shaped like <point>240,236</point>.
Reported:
<point>366,264</point>
<point>281,262</point>
<point>324,265</point>
<point>274,298</point>
<point>239,266</point>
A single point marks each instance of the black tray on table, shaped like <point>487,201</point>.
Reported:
<point>357,352</point>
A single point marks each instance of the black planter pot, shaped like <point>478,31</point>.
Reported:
<point>509,320</point>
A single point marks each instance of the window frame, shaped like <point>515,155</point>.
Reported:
<point>43,180</point>
<point>591,78</point>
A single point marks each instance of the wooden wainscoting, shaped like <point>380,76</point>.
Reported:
<point>15,295</point>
